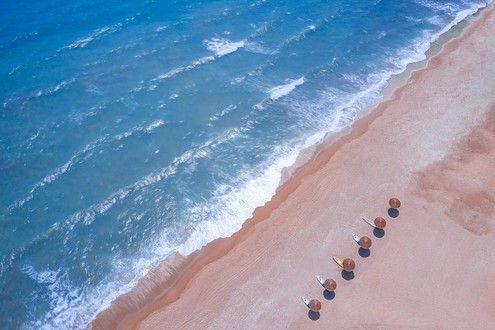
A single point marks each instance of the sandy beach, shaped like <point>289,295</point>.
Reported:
<point>432,145</point>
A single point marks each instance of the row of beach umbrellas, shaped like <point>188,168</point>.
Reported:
<point>348,264</point>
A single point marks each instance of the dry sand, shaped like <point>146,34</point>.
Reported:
<point>433,146</point>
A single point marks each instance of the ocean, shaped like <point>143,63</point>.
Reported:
<point>133,130</point>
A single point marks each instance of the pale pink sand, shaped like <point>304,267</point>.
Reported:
<point>433,146</point>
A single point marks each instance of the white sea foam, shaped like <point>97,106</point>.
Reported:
<point>161,28</point>
<point>254,47</point>
<point>154,125</point>
<point>334,109</point>
<point>147,129</point>
<point>283,90</point>
<point>53,89</point>
<point>222,113</point>
<point>448,8</point>
<point>81,43</point>
<point>257,3</point>
<point>412,19</point>
<point>417,51</point>
<point>83,155</point>
<point>259,31</point>
<point>88,215</point>
<point>436,20</point>
<point>63,296</point>
<point>188,67</point>
<point>237,80</point>
<point>46,180</point>
<point>72,308</point>
<point>232,204</point>
<point>97,34</point>
<point>16,69</point>
<point>145,53</point>
<point>221,47</point>
<point>460,16</point>
<point>42,277</point>
<point>301,35</point>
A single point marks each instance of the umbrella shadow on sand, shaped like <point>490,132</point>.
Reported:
<point>393,213</point>
<point>365,253</point>
<point>328,295</point>
<point>347,275</point>
<point>314,315</point>
<point>379,233</point>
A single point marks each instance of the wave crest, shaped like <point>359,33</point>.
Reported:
<point>97,34</point>
<point>221,47</point>
<point>181,69</point>
<point>283,90</point>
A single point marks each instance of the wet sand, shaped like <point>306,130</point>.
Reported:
<point>432,145</point>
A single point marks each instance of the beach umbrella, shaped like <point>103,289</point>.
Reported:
<point>394,203</point>
<point>315,305</point>
<point>365,242</point>
<point>330,285</point>
<point>349,265</point>
<point>380,223</point>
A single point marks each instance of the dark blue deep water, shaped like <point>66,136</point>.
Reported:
<point>133,129</point>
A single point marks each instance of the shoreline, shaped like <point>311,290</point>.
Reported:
<point>393,83</point>
<point>181,272</point>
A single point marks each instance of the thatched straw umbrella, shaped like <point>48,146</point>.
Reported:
<point>330,285</point>
<point>314,305</point>
<point>380,223</point>
<point>349,265</point>
<point>365,242</point>
<point>394,203</point>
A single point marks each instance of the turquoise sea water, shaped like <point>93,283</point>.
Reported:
<point>131,130</point>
